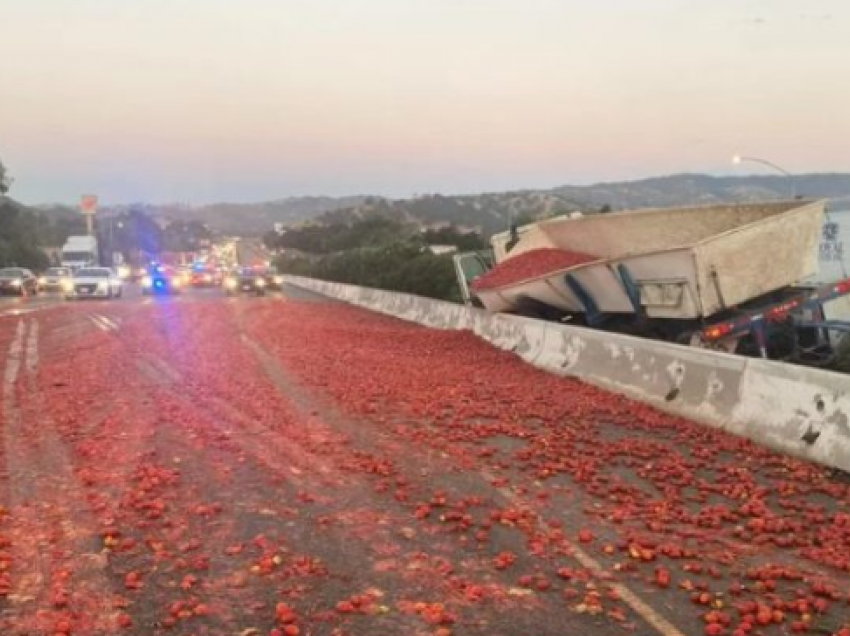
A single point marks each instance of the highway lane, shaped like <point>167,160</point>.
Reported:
<point>17,306</point>
<point>212,465</point>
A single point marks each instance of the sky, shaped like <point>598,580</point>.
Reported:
<point>248,100</point>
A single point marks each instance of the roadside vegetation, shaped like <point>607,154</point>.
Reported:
<point>380,253</point>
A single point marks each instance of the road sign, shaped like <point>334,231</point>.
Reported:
<point>88,203</point>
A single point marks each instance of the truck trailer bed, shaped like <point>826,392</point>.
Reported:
<point>676,263</point>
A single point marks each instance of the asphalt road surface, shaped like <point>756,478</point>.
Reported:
<point>284,465</point>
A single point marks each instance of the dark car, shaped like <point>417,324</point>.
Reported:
<point>161,279</point>
<point>17,281</point>
<point>273,278</point>
<point>245,280</point>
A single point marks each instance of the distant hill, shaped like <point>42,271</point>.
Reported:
<point>698,189</point>
<point>487,213</point>
<point>492,212</point>
<point>246,218</point>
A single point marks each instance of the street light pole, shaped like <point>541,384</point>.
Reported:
<point>738,159</point>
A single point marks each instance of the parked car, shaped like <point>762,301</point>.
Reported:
<point>17,281</point>
<point>55,279</point>
<point>94,282</point>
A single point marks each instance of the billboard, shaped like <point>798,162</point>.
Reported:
<point>88,203</point>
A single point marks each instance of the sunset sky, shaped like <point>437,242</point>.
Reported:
<point>245,100</point>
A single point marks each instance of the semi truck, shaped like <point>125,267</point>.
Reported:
<point>80,251</point>
<point>724,277</point>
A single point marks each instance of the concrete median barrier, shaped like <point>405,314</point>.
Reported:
<point>799,411</point>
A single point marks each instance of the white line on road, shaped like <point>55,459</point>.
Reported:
<point>638,605</point>
<point>103,323</point>
<point>32,347</point>
<point>13,361</point>
<point>110,323</point>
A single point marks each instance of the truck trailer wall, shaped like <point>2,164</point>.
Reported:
<point>771,403</point>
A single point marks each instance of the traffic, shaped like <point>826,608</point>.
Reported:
<point>81,276</point>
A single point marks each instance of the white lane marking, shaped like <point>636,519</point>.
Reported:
<point>47,497</point>
<point>103,323</point>
<point>110,323</point>
<point>13,363</point>
<point>96,320</point>
<point>658,622</point>
<point>32,347</point>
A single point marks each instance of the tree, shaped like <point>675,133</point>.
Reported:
<point>186,236</point>
<point>5,179</point>
<point>19,237</point>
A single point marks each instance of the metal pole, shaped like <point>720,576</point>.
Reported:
<point>779,169</point>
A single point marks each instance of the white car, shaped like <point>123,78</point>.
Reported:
<point>94,282</point>
<point>55,279</point>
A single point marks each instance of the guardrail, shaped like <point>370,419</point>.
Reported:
<point>797,410</point>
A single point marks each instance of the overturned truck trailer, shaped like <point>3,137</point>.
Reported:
<point>719,276</point>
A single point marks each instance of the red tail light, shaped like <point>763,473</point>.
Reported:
<point>780,311</point>
<point>718,331</point>
<point>843,287</point>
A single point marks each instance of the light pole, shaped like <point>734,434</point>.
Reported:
<point>738,159</point>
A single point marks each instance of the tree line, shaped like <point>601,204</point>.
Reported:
<point>26,232</point>
<point>380,253</point>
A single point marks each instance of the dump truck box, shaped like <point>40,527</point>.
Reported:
<point>677,263</point>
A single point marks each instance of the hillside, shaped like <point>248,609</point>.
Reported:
<point>245,218</point>
<point>697,189</point>
<point>492,212</point>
